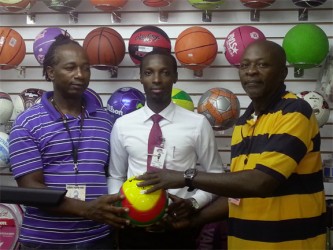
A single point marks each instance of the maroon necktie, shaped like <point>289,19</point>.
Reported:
<point>155,139</point>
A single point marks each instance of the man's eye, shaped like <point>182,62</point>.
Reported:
<point>262,65</point>
<point>147,73</point>
<point>243,65</point>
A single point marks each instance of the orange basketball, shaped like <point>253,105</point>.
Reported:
<point>157,3</point>
<point>196,48</point>
<point>105,48</point>
<point>108,5</point>
<point>16,5</point>
<point>12,48</point>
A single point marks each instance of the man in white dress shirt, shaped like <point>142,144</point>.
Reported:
<point>188,143</point>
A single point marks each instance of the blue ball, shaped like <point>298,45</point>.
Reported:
<point>123,101</point>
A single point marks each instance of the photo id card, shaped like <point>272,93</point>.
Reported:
<point>76,192</point>
<point>158,158</point>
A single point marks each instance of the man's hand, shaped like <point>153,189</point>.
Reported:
<point>164,179</point>
<point>104,210</point>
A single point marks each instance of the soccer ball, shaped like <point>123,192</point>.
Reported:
<point>124,101</point>
<point>221,107</point>
<point>182,99</point>
<point>25,100</point>
<point>4,150</point>
<point>7,107</point>
<point>319,105</point>
<point>144,209</point>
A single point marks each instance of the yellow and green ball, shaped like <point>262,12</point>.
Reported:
<point>144,209</point>
<point>182,99</point>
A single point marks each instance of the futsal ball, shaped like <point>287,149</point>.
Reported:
<point>4,149</point>
<point>123,101</point>
<point>319,105</point>
<point>44,40</point>
<point>105,48</point>
<point>237,41</point>
<point>196,48</point>
<point>146,39</point>
<point>16,5</point>
<point>257,4</point>
<point>306,45</point>
<point>308,3</point>
<point>31,96</point>
<point>206,4</point>
<point>12,48</point>
<point>157,3</point>
<point>6,107</point>
<point>18,106</point>
<point>221,107</point>
<point>144,209</point>
<point>108,5</point>
<point>182,99</point>
<point>65,6</point>
<point>93,95</point>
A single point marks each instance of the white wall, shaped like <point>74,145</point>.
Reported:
<point>274,22</point>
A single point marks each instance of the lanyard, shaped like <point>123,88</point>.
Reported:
<point>74,148</point>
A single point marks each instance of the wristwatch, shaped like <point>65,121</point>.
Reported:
<point>195,204</point>
<point>189,175</point>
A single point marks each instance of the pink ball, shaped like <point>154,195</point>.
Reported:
<point>237,40</point>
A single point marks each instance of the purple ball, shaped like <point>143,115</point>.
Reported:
<point>43,42</point>
<point>124,101</point>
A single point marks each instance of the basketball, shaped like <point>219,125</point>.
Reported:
<point>144,209</point>
<point>146,39</point>
<point>44,40</point>
<point>308,3</point>
<point>221,107</point>
<point>206,4</point>
<point>7,107</point>
<point>237,41</point>
<point>306,45</point>
<point>105,48</point>
<point>12,48</point>
<point>93,95</point>
<point>196,48</point>
<point>123,101</point>
<point>157,3</point>
<point>4,150</point>
<point>257,4</point>
<point>182,99</point>
<point>16,5</point>
<point>31,96</point>
<point>318,104</point>
<point>64,6</point>
<point>108,5</point>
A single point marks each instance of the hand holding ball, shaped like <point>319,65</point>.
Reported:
<point>144,209</point>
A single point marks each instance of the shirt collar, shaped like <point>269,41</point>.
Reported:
<point>89,104</point>
<point>167,113</point>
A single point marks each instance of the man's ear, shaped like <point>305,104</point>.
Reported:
<point>50,72</point>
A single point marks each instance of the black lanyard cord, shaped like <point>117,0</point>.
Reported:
<point>74,148</point>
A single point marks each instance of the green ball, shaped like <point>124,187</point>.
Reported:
<point>306,46</point>
<point>182,99</point>
<point>206,4</point>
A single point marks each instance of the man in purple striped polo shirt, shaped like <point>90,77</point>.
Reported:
<point>63,143</point>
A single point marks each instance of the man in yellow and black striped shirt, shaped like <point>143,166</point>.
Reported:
<point>275,187</point>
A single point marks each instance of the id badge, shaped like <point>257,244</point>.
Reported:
<point>235,201</point>
<point>158,158</point>
<point>76,192</point>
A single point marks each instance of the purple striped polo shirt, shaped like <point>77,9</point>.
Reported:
<point>40,141</point>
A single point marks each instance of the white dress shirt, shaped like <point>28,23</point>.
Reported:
<point>188,140</point>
